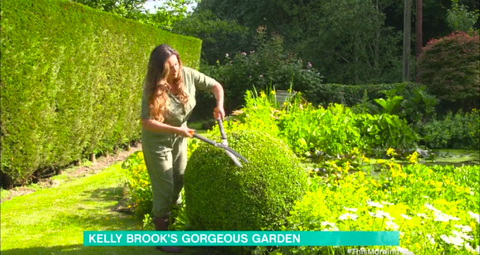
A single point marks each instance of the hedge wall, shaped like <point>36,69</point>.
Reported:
<point>351,94</point>
<point>71,81</point>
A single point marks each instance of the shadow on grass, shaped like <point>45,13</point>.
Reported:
<point>100,223</point>
<point>108,194</point>
<point>133,250</point>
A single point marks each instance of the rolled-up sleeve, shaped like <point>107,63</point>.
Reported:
<point>201,81</point>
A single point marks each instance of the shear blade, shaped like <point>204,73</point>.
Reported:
<point>235,160</point>
<point>233,157</point>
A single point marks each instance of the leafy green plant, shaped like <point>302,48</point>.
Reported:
<point>258,114</point>
<point>390,105</point>
<point>350,95</point>
<point>365,105</point>
<point>418,105</point>
<point>331,130</point>
<point>413,104</point>
<point>385,131</point>
<point>335,130</point>
<point>138,184</point>
<point>355,160</point>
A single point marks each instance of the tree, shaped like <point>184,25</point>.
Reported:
<point>418,33</point>
<point>459,18</point>
<point>349,41</point>
<point>165,15</point>
<point>406,41</point>
<point>131,9</point>
<point>169,13</point>
<point>219,37</point>
<point>345,39</point>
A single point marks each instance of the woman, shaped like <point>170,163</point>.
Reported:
<point>167,102</point>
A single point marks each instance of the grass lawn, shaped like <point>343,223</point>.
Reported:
<point>52,221</point>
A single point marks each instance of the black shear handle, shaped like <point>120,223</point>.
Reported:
<point>222,131</point>
<point>204,139</point>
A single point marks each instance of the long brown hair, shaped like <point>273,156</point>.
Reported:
<point>156,84</point>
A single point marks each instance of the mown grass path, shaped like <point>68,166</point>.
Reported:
<point>52,221</point>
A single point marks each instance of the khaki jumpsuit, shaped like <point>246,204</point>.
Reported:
<point>166,153</point>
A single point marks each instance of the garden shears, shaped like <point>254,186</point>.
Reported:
<point>223,144</point>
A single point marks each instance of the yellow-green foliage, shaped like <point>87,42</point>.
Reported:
<point>434,208</point>
<point>72,81</point>
<point>137,181</point>
<point>138,184</point>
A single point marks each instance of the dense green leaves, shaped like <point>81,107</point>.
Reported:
<point>456,131</point>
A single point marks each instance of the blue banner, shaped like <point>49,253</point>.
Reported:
<point>240,238</point>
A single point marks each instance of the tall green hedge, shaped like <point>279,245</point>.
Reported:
<point>71,81</point>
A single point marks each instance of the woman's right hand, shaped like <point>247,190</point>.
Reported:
<point>185,131</point>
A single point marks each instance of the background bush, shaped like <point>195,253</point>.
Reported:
<point>454,131</point>
<point>349,95</point>
<point>449,66</point>
<point>71,82</point>
<point>268,66</point>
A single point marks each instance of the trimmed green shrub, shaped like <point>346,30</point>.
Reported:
<point>258,196</point>
<point>71,82</point>
<point>450,67</point>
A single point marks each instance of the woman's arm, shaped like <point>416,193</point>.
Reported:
<point>217,91</point>
<point>155,126</point>
<point>206,83</point>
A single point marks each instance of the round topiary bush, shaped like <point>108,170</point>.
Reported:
<point>221,196</point>
<point>449,66</point>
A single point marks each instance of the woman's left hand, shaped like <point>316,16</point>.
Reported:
<point>219,113</point>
